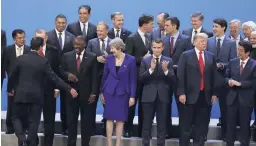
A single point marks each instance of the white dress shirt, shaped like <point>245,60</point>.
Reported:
<point>221,40</point>
<point>159,58</point>
<point>82,26</point>
<point>237,40</point>
<point>197,54</point>
<point>193,33</point>
<point>142,35</point>
<point>105,41</point>
<point>245,61</point>
<point>119,33</point>
<point>18,49</point>
<point>62,37</point>
<point>44,49</point>
<point>81,56</point>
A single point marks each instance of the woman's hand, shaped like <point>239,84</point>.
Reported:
<point>131,101</point>
<point>102,98</point>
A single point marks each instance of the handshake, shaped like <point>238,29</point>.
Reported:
<point>232,83</point>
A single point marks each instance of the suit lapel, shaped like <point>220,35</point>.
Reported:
<point>123,66</point>
<point>206,62</point>
<point>55,39</point>
<point>84,62</point>
<point>246,67</point>
<point>190,33</point>
<point>140,39</point>
<point>223,45</point>
<point>122,34</point>
<point>46,52</point>
<point>196,60</point>
<point>66,39</point>
<point>78,27</point>
<point>73,62</point>
<point>176,43</point>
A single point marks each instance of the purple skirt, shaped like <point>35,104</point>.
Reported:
<point>116,107</point>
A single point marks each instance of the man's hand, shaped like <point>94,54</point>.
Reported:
<point>214,99</point>
<point>72,78</point>
<point>152,65</point>
<point>230,83</point>
<point>182,99</point>
<point>165,65</point>
<point>101,59</point>
<point>147,55</point>
<point>56,93</point>
<point>92,99</point>
<point>102,98</point>
<point>11,93</point>
<point>236,83</point>
<point>73,93</point>
<point>131,101</point>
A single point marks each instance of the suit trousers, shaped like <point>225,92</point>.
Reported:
<point>244,119</point>
<point>161,110</point>
<point>33,111</point>
<point>223,109</point>
<point>86,114</point>
<point>49,111</point>
<point>196,115</point>
<point>128,127</point>
<point>63,111</point>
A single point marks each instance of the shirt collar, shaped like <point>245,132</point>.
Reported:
<point>106,39</point>
<point>62,33</point>
<point>156,57</point>
<point>141,33</point>
<point>16,47</point>
<point>176,35</point>
<point>222,38</point>
<point>82,24</point>
<point>245,61</point>
<point>238,37</point>
<point>198,30</point>
<point>44,47</point>
<point>197,51</point>
<point>82,53</point>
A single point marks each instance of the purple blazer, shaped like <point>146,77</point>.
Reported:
<point>122,82</point>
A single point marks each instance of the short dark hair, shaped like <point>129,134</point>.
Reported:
<point>145,19</point>
<point>17,31</point>
<point>166,15</point>
<point>61,16</point>
<point>86,7</point>
<point>81,38</point>
<point>36,43</point>
<point>198,14</point>
<point>246,45</point>
<point>158,41</point>
<point>174,21</point>
<point>114,14</point>
<point>222,22</point>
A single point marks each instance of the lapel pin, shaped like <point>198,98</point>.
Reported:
<point>124,65</point>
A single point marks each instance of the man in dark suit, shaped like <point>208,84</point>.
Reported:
<point>28,74</point>
<point>100,47</point>
<point>157,76</point>
<point>138,45</point>
<point>10,54</point>
<point>241,78</point>
<point>63,41</point>
<point>50,92</point>
<point>197,20</point>
<point>83,65</point>
<point>159,32</point>
<point>118,30</point>
<point>175,44</point>
<point>83,26</point>
<point>3,45</point>
<point>235,30</point>
<point>224,50</point>
<point>197,82</point>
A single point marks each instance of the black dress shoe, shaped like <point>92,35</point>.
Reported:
<point>168,136</point>
<point>9,131</point>
<point>23,144</point>
<point>127,135</point>
<point>64,132</point>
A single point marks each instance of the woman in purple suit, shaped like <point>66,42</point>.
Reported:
<point>118,88</point>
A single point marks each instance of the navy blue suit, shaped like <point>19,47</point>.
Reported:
<point>240,99</point>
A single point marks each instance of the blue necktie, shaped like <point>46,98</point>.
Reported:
<point>60,40</point>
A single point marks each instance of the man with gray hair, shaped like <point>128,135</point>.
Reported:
<point>235,28</point>
<point>248,27</point>
<point>49,109</point>
<point>118,30</point>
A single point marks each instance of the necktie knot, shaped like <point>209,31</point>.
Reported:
<point>102,40</point>
<point>219,39</point>
<point>157,59</point>
<point>195,31</point>
<point>242,63</point>
<point>200,52</point>
<point>60,33</point>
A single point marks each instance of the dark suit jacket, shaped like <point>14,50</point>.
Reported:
<point>228,50</point>
<point>189,76</point>
<point>253,53</point>
<point>10,57</point>
<point>241,37</point>
<point>29,73</point>
<point>94,47</point>
<point>188,33</point>
<point>245,93</point>
<point>52,54</point>
<point>156,83</point>
<point>156,33</point>
<point>3,45</point>
<point>124,34</point>
<point>88,79</point>
<point>54,40</point>
<point>124,81</point>
<point>75,29</point>
<point>182,44</point>
<point>136,47</point>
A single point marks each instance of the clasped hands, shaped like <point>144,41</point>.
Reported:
<point>164,65</point>
<point>232,83</point>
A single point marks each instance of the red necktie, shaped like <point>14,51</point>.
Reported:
<point>171,48</point>
<point>41,53</point>
<point>78,62</point>
<point>241,67</point>
<point>201,64</point>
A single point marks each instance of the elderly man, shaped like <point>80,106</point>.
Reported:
<point>235,29</point>
<point>159,31</point>
<point>248,27</point>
